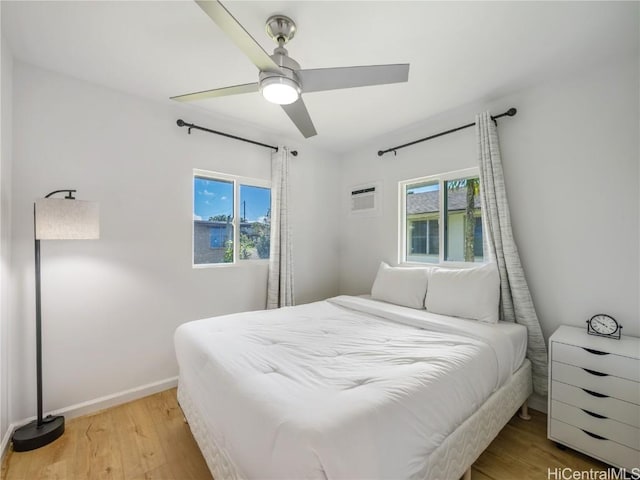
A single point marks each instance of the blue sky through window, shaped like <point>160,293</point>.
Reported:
<point>211,198</point>
<point>255,203</point>
<point>215,197</point>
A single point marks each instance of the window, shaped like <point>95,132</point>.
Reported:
<point>255,222</point>
<point>424,239</point>
<point>227,208</point>
<point>441,219</point>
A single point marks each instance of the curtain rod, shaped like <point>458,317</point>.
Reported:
<point>509,113</point>
<point>182,123</point>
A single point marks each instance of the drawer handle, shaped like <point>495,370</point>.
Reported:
<point>595,394</point>
<point>594,435</point>
<point>596,415</point>
<point>593,372</point>
<point>595,352</point>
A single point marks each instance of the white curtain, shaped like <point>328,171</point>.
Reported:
<point>280,280</point>
<point>516,304</point>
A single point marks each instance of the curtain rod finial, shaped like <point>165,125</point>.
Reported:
<point>511,112</point>
<point>380,153</point>
<point>180,122</point>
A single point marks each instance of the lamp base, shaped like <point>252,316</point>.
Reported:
<point>32,436</point>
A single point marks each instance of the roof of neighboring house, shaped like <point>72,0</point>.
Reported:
<point>428,202</point>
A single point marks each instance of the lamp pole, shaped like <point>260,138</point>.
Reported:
<point>38,330</point>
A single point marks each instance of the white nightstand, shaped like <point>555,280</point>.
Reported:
<point>594,395</point>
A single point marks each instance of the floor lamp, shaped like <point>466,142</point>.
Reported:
<point>53,219</point>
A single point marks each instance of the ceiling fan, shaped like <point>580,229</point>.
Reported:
<point>281,80</point>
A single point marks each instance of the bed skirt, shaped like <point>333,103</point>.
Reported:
<point>466,443</point>
<point>449,461</point>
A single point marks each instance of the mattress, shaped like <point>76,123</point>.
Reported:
<point>345,388</point>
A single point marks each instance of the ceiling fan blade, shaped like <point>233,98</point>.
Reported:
<point>238,35</point>
<point>320,79</point>
<point>217,92</point>
<point>299,115</point>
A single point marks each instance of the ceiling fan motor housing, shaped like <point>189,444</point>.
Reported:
<point>287,65</point>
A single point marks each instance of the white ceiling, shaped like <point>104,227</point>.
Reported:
<point>460,52</point>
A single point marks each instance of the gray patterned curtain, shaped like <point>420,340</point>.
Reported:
<point>280,279</point>
<point>515,300</point>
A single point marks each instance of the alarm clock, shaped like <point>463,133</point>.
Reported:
<point>604,325</point>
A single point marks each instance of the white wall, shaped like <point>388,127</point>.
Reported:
<point>571,158</point>
<point>6,73</point>
<point>110,307</point>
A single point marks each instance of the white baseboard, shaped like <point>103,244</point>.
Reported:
<point>114,399</point>
<point>6,439</point>
<point>95,405</point>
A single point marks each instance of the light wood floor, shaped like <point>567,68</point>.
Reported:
<point>148,439</point>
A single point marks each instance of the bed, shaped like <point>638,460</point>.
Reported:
<point>349,387</point>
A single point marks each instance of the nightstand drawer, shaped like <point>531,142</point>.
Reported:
<point>625,367</point>
<point>589,421</point>
<point>609,407</point>
<point>610,385</point>
<point>602,448</point>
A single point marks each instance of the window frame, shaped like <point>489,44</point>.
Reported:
<point>440,178</point>
<point>237,181</point>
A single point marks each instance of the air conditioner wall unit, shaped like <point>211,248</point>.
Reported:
<point>364,200</point>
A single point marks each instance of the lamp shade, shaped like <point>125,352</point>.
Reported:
<point>66,219</point>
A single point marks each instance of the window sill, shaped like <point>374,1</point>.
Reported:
<point>446,264</point>
<point>240,264</point>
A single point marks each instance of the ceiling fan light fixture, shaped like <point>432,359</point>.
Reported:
<point>280,90</point>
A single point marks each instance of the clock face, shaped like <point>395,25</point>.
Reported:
<point>603,324</point>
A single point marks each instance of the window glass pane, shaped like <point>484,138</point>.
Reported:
<point>477,240</point>
<point>434,237</point>
<point>463,240</point>
<point>212,221</point>
<point>255,222</point>
<point>422,211</point>
<point>418,237</point>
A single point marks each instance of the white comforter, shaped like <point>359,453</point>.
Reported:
<point>344,388</point>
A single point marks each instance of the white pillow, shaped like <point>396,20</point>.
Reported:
<point>402,286</point>
<point>472,293</point>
